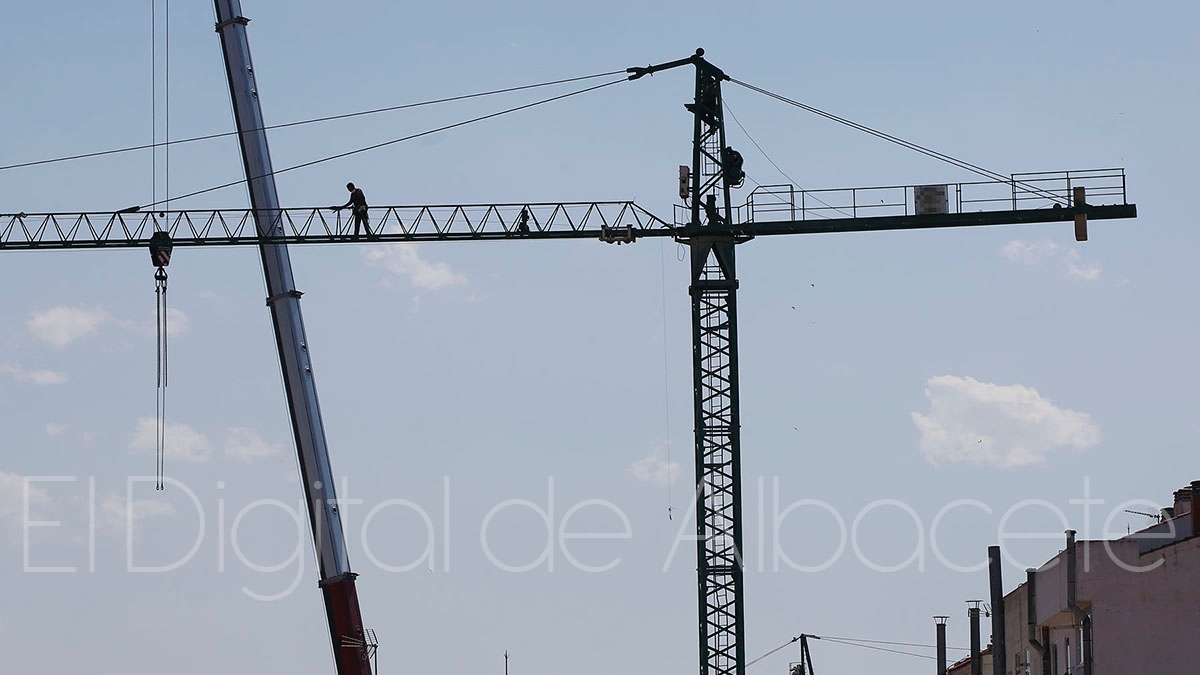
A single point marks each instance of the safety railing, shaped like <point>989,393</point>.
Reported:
<point>1039,190</point>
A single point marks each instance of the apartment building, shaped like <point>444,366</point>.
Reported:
<point>1110,607</point>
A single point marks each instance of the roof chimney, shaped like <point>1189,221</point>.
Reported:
<point>999,647</point>
<point>1195,520</point>
<point>941,643</point>
<point>973,617</point>
<point>1183,501</point>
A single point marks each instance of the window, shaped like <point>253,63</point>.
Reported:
<point>1027,660</point>
<point>1067,651</point>
<point>1079,642</point>
<point>1053,660</point>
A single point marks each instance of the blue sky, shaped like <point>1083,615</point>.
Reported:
<point>458,378</point>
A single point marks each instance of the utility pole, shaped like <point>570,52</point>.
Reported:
<point>805,656</point>
<point>350,649</point>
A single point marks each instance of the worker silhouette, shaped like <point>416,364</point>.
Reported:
<point>710,210</point>
<point>358,207</point>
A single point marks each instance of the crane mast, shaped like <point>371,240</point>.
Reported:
<point>711,236</point>
<point>716,411</point>
<point>349,640</point>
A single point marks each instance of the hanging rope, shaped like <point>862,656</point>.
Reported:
<point>160,247</point>
<point>160,399</point>
<point>153,100</point>
<point>666,378</point>
<point>167,102</point>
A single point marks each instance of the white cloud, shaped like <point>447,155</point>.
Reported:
<point>60,326</point>
<point>12,497</point>
<point>403,260</point>
<point>989,424</point>
<point>183,443</point>
<point>1030,252</point>
<point>245,445</point>
<point>1033,252</point>
<point>35,376</point>
<point>115,513</point>
<point>177,324</point>
<point>1087,271</point>
<point>653,468</point>
<point>55,429</point>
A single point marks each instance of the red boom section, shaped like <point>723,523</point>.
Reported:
<point>345,625</point>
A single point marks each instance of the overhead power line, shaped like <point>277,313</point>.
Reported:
<point>859,642</point>
<point>880,649</point>
<point>962,164</point>
<point>314,120</point>
<point>890,642</point>
<point>387,143</point>
<point>773,651</point>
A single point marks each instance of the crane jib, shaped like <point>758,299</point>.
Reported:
<point>629,222</point>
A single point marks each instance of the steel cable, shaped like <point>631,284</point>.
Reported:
<point>962,164</point>
<point>314,120</point>
<point>387,143</point>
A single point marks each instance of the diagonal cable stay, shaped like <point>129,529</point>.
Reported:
<point>962,164</point>
<point>315,120</point>
<point>387,143</point>
<point>777,167</point>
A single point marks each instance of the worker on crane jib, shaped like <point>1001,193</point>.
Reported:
<point>358,207</point>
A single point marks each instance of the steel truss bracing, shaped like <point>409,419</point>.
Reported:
<point>768,210</point>
<point>718,452</point>
<point>715,386</point>
<point>615,221</point>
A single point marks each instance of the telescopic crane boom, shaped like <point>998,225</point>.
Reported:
<point>349,639</point>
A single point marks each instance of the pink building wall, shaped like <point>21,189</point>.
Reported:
<point>1145,621</point>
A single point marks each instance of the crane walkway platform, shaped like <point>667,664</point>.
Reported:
<point>769,209</point>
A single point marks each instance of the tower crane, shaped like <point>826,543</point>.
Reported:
<point>709,223</point>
